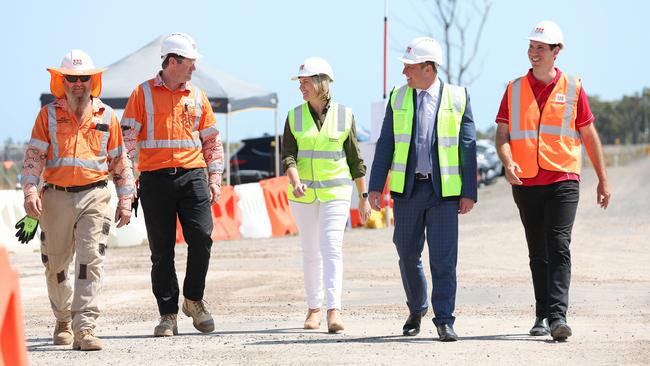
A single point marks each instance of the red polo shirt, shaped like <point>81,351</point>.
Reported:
<point>542,91</point>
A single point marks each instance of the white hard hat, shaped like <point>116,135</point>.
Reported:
<point>547,31</point>
<point>314,66</point>
<point>76,62</point>
<point>180,44</point>
<point>422,49</point>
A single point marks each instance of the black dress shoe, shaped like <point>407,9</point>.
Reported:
<point>446,333</point>
<point>560,330</point>
<point>540,328</point>
<point>412,325</point>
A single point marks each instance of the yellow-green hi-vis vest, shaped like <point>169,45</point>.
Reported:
<point>450,114</point>
<point>321,160</point>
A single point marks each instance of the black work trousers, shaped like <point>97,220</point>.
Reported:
<point>547,213</point>
<point>163,197</point>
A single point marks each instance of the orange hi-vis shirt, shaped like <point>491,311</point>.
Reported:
<point>170,125</point>
<point>78,153</point>
<point>546,139</point>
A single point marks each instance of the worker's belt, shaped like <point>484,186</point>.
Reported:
<point>75,189</point>
<point>170,171</point>
<point>420,176</point>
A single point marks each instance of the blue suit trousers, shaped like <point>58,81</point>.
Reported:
<point>419,216</point>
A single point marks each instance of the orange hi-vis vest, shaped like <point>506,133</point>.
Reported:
<point>546,139</point>
<point>170,125</point>
<point>77,153</point>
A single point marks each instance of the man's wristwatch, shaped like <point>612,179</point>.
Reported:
<point>363,195</point>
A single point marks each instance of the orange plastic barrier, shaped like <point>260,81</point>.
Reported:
<point>225,217</point>
<point>277,206</point>
<point>12,335</point>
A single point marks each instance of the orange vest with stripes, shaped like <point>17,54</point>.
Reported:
<point>170,124</point>
<point>545,139</point>
<point>77,153</point>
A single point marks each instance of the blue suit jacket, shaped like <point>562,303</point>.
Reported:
<point>386,146</point>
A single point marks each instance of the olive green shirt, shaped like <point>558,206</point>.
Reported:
<point>350,145</point>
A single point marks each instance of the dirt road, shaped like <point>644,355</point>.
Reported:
<point>255,293</point>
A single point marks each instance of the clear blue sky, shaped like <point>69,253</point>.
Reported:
<point>263,42</point>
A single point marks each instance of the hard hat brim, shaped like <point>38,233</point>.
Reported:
<point>543,40</point>
<point>64,71</point>
<point>56,81</point>
<point>308,75</point>
<point>415,62</point>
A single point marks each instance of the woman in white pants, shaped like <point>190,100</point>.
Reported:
<point>321,155</point>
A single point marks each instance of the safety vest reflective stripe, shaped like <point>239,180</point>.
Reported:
<point>402,138</point>
<point>76,162</point>
<point>39,144</point>
<point>335,155</point>
<point>340,125</point>
<point>327,183</point>
<point>151,142</point>
<point>207,132</point>
<point>56,161</point>
<point>116,151</point>
<point>516,132</point>
<point>51,124</point>
<point>297,113</point>
<point>398,167</point>
<point>131,122</point>
<point>168,144</point>
<point>399,99</point>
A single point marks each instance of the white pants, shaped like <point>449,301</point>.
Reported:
<point>321,226</point>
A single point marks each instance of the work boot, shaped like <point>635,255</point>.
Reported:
<point>313,319</point>
<point>334,323</point>
<point>201,318</point>
<point>62,333</point>
<point>85,340</point>
<point>167,326</point>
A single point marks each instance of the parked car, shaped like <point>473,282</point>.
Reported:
<point>489,165</point>
<point>254,160</point>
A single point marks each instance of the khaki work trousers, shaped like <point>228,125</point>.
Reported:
<point>75,223</point>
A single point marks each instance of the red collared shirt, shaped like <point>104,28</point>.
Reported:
<point>542,91</point>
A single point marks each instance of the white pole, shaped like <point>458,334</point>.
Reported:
<point>277,144</point>
<point>227,157</point>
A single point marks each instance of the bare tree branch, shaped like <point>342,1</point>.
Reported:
<point>460,39</point>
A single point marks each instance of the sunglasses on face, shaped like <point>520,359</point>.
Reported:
<point>74,78</point>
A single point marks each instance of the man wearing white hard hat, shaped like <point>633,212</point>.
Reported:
<point>543,122</point>
<point>76,142</point>
<point>320,153</point>
<point>428,143</point>
<point>171,123</point>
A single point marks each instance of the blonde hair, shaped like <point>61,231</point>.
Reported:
<point>321,83</point>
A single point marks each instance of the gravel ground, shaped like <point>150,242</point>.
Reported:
<point>255,292</point>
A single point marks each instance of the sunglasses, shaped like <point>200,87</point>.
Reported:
<point>74,78</point>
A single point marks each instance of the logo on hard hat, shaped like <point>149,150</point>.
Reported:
<point>77,62</point>
<point>408,49</point>
<point>539,30</point>
<point>302,67</point>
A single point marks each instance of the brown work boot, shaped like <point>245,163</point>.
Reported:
<point>334,323</point>
<point>201,318</point>
<point>85,340</point>
<point>313,319</point>
<point>62,333</point>
<point>167,326</point>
